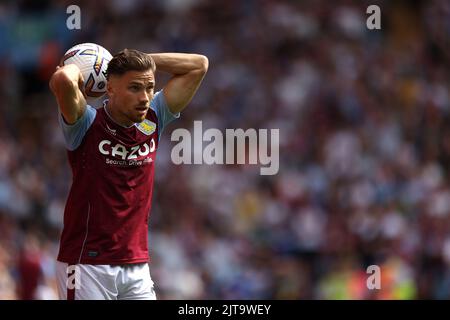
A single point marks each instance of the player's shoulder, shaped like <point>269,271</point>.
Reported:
<point>157,97</point>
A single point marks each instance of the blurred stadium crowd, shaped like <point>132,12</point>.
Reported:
<point>364,147</point>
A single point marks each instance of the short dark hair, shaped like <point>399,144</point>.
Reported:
<point>129,60</point>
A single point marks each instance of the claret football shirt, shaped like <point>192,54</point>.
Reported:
<point>107,210</point>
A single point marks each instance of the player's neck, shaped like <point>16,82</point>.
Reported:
<point>116,117</point>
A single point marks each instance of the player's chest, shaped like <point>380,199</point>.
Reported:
<point>132,144</point>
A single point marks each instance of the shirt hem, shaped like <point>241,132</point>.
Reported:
<point>107,261</point>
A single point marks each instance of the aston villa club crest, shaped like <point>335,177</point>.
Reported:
<point>146,127</point>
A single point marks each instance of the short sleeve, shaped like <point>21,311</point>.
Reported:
<point>74,133</point>
<point>159,105</point>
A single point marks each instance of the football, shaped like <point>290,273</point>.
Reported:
<point>92,59</point>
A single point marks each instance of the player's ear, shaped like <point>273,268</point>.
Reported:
<point>110,87</point>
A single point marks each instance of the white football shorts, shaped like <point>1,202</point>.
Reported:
<point>104,282</point>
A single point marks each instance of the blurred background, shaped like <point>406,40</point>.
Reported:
<point>364,147</point>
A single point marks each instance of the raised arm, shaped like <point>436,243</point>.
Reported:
<point>188,71</point>
<point>66,84</point>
